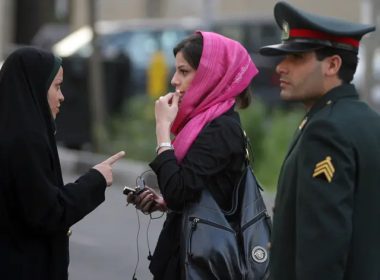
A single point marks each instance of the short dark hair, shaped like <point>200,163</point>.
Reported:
<point>349,62</point>
<point>191,48</point>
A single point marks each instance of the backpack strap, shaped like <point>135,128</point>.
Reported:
<point>245,166</point>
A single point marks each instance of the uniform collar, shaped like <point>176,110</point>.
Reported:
<point>339,92</point>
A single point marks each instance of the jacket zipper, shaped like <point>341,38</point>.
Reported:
<point>254,220</point>
<point>194,223</point>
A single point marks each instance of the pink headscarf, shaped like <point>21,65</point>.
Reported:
<point>224,71</point>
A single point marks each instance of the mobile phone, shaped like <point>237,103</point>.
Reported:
<point>137,190</point>
<point>128,189</point>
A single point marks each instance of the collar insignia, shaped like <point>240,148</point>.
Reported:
<point>324,170</point>
<point>302,124</point>
<point>285,31</point>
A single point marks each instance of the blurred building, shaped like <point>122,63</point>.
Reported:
<point>122,9</point>
<point>21,20</point>
<point>45,22</point>
<point>6,24</point>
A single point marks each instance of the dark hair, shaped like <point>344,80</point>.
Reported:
<point>191,48</point>
<point>349,62</point>
<point>244,99</point>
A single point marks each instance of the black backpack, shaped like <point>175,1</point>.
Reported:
<point>213,248</point>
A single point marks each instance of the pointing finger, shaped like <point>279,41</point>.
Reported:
<point>111,160</point>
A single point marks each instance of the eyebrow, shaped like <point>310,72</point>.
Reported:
<point>182,66</point>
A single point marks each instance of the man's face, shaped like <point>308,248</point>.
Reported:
<point>301,77</point>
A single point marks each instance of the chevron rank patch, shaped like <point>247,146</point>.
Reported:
<point>324,170</point>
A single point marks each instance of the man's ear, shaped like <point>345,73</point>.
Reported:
<point>332,65</point>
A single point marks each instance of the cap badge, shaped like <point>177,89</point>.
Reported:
<point>324,170</point>
<point>285,31</point>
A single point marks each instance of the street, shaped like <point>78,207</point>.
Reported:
<point>104,244</point>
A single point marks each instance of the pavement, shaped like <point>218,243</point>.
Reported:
<point>125,171</point>
<point>113,240</point>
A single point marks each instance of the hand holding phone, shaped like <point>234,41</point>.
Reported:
<point>137,190</point>
<point>144,198</point>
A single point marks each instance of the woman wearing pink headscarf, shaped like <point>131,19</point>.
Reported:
<point>213,73</point>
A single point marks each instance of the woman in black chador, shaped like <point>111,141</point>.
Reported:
<point>36,208</point>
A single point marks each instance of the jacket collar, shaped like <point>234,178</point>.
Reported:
<point>339,92</point>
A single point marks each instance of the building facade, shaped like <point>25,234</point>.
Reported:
<point>76,12</point>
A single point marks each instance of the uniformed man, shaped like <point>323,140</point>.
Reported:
<point>327,211</point>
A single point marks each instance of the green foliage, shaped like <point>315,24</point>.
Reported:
<point>270,133</point>
<point>134,129</point>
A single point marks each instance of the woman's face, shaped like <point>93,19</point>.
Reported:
<point>183,76</point>
<point>55,96</point>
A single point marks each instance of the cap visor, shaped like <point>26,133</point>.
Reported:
<point>283,49</point>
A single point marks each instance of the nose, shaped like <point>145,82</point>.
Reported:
<point>281,67</point>
<point>61,97</point>
<point>174,81</point>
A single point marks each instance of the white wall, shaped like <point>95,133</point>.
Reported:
<point>6,10</point>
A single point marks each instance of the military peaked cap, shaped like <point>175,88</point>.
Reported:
<point>302,31</point>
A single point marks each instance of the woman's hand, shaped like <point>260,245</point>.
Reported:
<point>166,108</point>
<point>148,201</point>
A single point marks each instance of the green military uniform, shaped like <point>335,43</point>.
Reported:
<point>327,210</point>
<point>326,223</point>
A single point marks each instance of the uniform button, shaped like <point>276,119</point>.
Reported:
<point>69,232</point>
<point>328,102</point>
